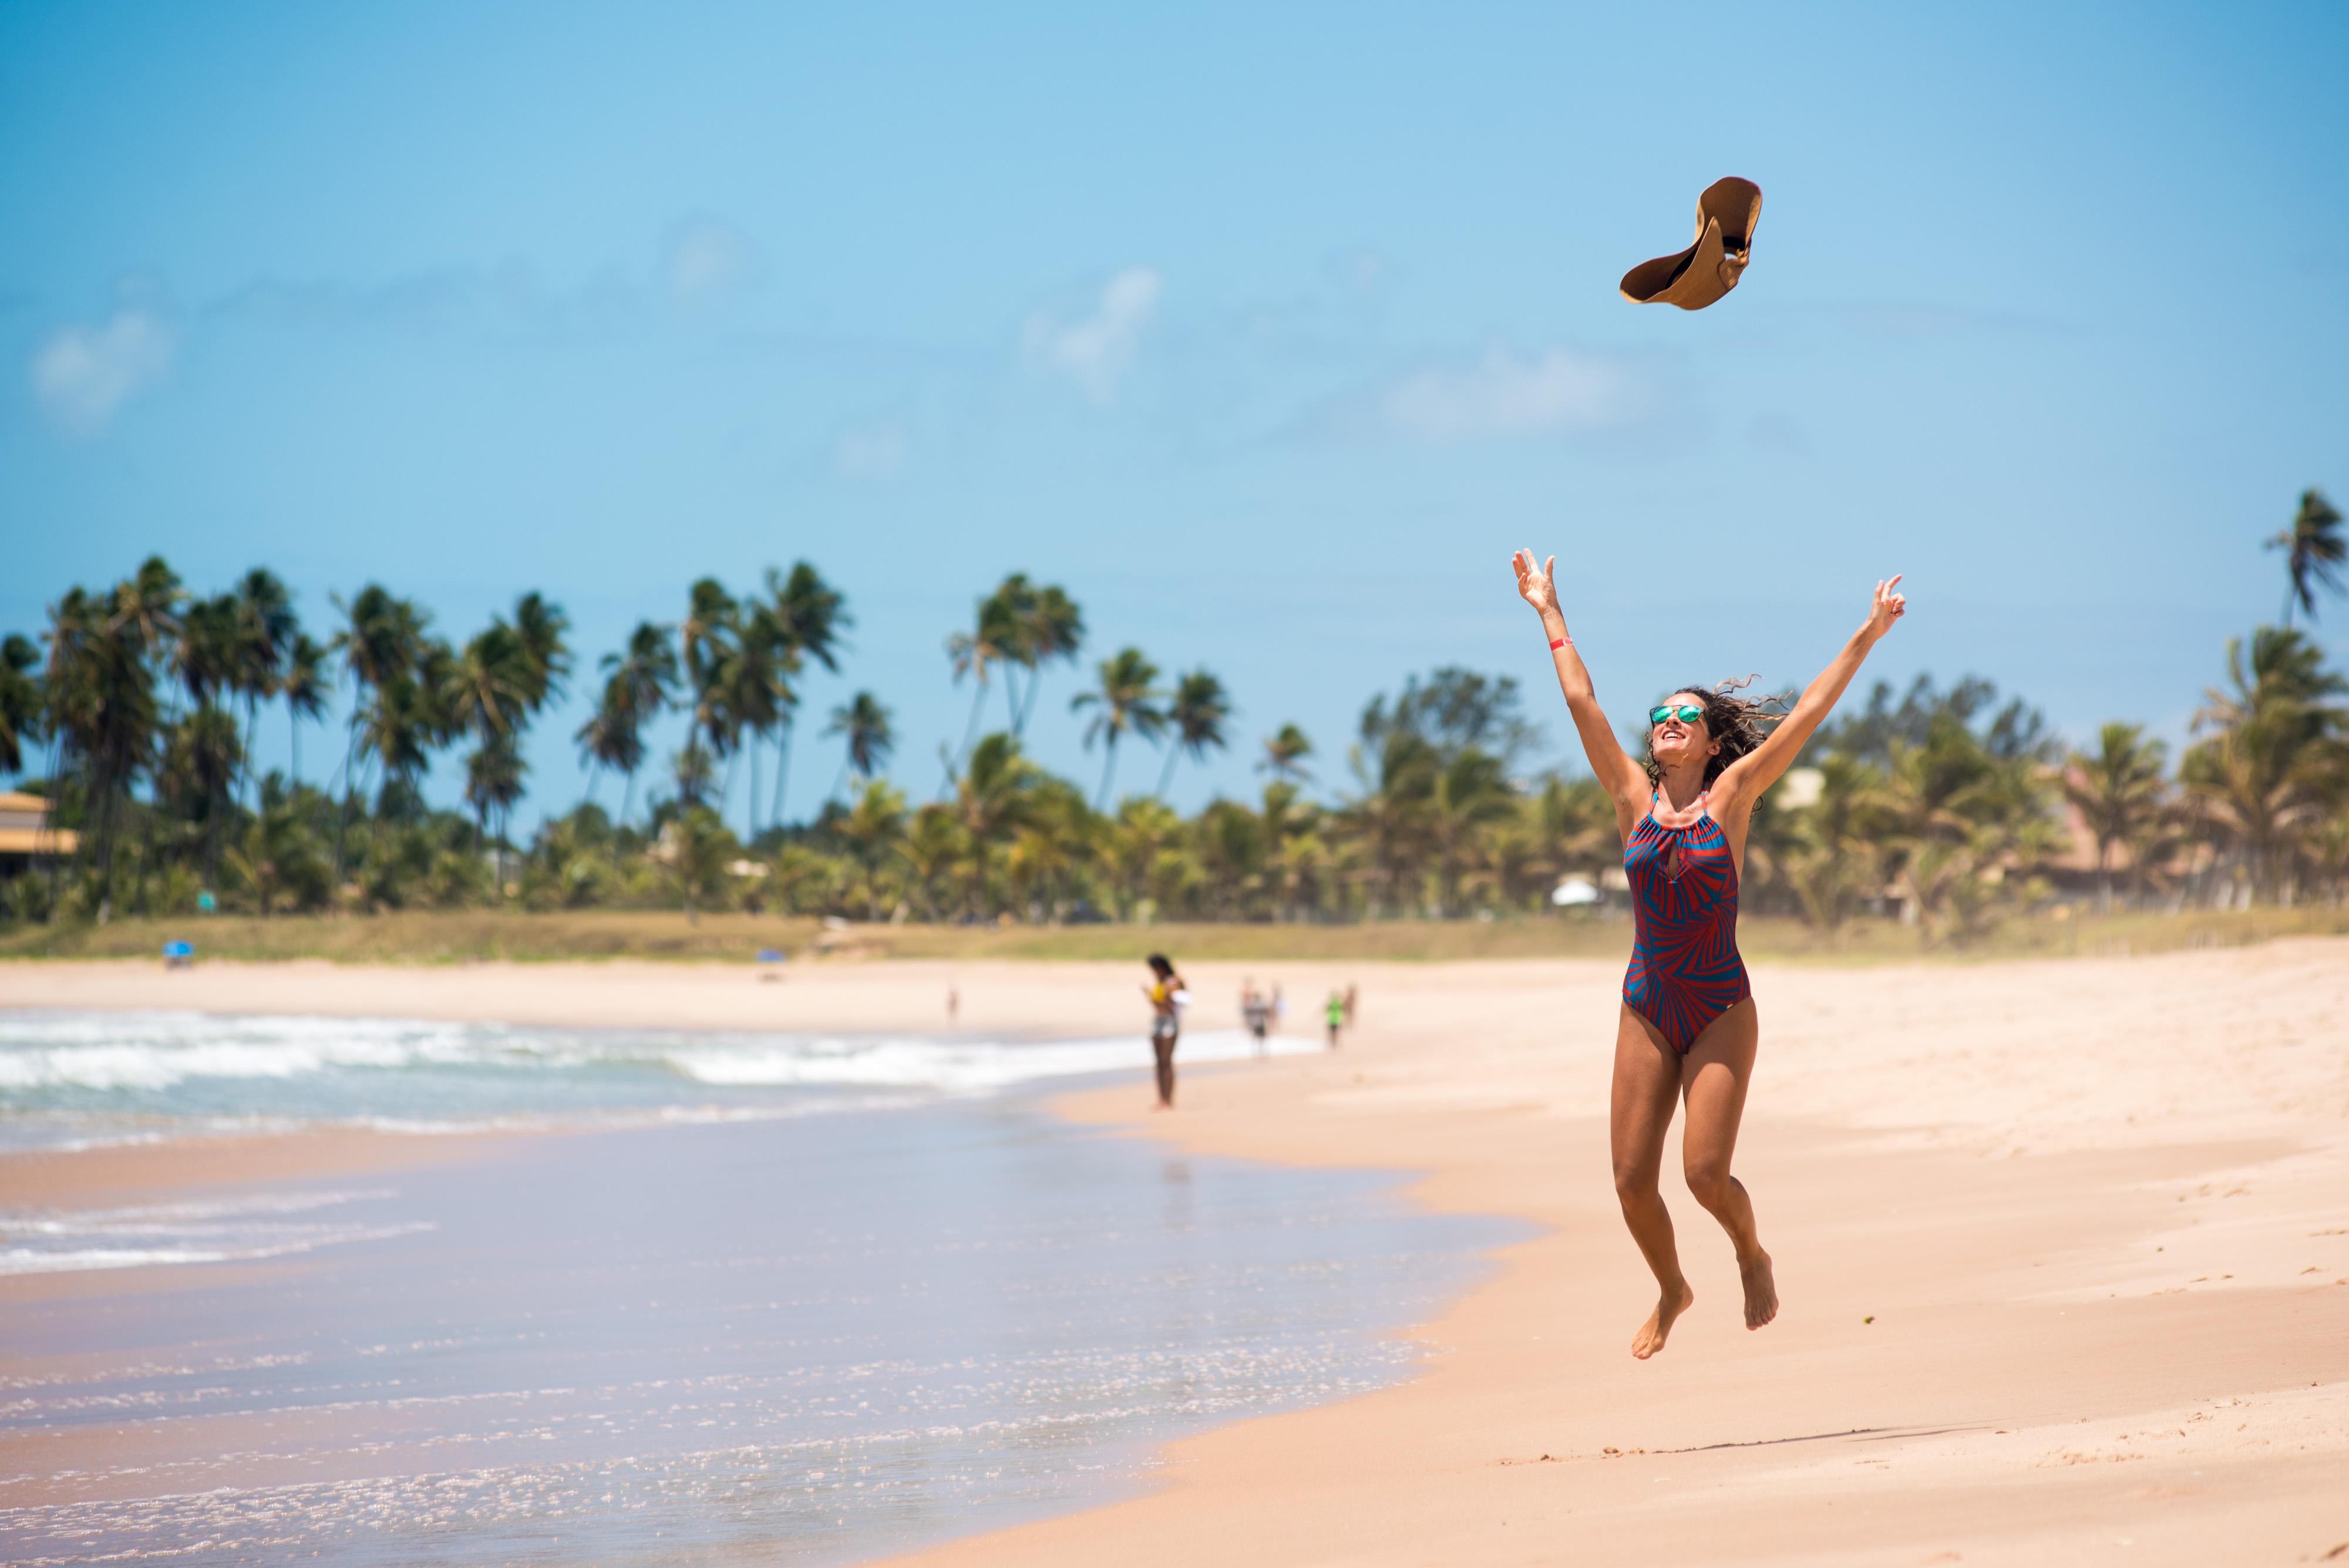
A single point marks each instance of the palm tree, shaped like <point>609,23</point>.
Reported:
<point>149,603</point>
<point>203,759</point>
<point>2263,777</point>
<point>646,673</point>
<point>379,642</point>
<point>204,656</point>
<point>493,783</point>
<point>1388,819</point>
<point>711,637</point>
<point>993,800</point>
<point>148,606</point>
<point>1471,792</point>
<point>1196,715</point>
<point>754,693</point>
<point>931,850</point>
<point>638,686</point>
<point>1052,628</point>
<point>1144,830</point>
<point>709,626</point>
<point>265,628</point>
<point>1011,606</point>
<point>1837,840</point>
<point>275,856</point>
<point>989,643</point>
<point>490,687</point>
<point>2256,787</point>
<point>692,769</point>
<point>489,692</point>
<point>808,615</point>
<point>1284,754</point>
<point>1128,700</point>
<point>700,851</point>
<point>874,825</point>
<point>401,723</point>
<point>21,701</point>
<point>539,627</point>
<point>303,684</point>
<point>610,738</point>
<point>865,724</point>
<point>100,685</point>
<point>2117,791</point>
<point>1295,853</point>
<point>2313,552</point>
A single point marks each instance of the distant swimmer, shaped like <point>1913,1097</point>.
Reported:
<point>1256,1012</point>
<point>1686,1028</point>
<point>1167,995</point>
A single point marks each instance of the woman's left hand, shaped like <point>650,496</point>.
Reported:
<point>1538,585</point>
<point>1889,607</point>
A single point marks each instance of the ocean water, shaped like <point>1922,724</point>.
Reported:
<point>785,1300</point>
<point>73,1079</point>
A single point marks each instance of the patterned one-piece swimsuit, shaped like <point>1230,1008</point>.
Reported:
<point>1685,969</point>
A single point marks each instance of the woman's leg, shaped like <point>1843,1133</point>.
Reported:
<point>1163,1046</point>
<point>1647,1082</point>
<point>1714,1077</point>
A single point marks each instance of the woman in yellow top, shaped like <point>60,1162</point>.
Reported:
<point>1167,993</point>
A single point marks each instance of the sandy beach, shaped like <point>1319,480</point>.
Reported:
<point>2064,1249</point>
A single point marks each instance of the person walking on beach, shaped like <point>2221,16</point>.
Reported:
<point>1686,1029</point>
<point>1167,993</point>
<point>1333,1013</point>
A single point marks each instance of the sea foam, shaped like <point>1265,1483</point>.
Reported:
<point>258,1226</point>
<point>74,1079</point>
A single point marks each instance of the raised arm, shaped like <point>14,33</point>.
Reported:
<point>1743,782</point>
<point>1624,780</point>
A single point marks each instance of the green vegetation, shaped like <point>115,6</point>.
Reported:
<point>464,936</point>
<point>1934,818</point>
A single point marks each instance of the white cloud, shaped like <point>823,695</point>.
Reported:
<point>710,261</point>
<point>871,451</point>
<point>81,375</point>
<point>1096,349</point>
<point>1558,390</point>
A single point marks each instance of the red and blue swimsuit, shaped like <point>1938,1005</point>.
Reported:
<point>1685,970</point>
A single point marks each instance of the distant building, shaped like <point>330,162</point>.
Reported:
<point>25,833</point>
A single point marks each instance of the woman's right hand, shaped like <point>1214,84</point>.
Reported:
<point>1537,587</point>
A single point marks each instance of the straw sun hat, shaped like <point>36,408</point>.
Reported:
<point>1695,277</point>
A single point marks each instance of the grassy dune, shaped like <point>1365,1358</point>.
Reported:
<point>463,936</point>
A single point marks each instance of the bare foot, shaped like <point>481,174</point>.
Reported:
<point>1760,1291</point>
<point>1659,1326</point>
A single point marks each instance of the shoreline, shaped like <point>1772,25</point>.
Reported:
<point>2058,1359</point>
<point>2058,1246</point>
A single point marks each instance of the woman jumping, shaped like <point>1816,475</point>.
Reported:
<point>1687,1029</point>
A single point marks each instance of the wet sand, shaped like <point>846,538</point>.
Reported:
<point>2062,1247</point>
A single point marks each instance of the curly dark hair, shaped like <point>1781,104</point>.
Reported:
<point>1739,724</point>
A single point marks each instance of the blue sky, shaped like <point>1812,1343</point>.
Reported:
<point>1268,332</point>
